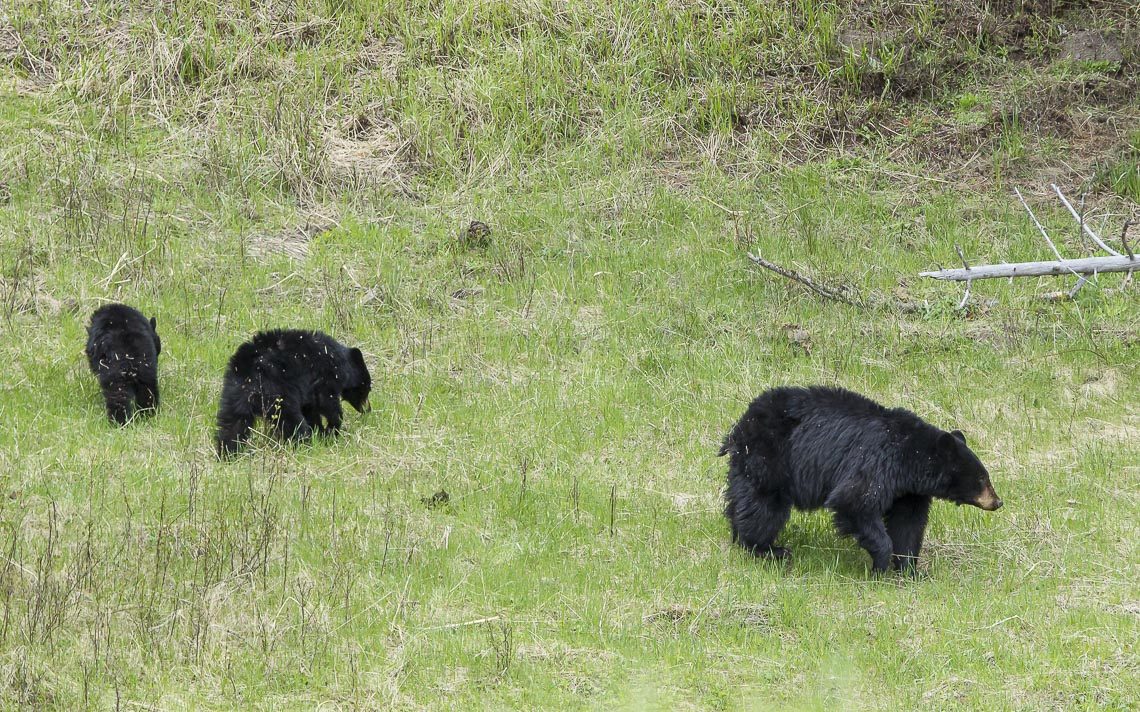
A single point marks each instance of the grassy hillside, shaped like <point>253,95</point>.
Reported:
<point>231,166</point>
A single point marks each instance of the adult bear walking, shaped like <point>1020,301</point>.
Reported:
<point>296,380</point>
<point>122,351</point>
<point>877,469</point>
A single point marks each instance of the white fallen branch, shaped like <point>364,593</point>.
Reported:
<point>1085,265</point>
<point>1082,267</point>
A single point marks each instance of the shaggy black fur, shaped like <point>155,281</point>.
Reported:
<point>122,351</point>
<point>877,469</point>
<point>294,379</point>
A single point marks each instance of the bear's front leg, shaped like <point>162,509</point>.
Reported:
<point>906,523</point>
<point>871,533</point>
<point>331,410</point>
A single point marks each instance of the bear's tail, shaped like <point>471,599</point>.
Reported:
<point>729,445</point>
<point>120,398</point>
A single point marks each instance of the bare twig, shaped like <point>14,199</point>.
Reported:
<point>1082,267</point>
<point>823,291</point>
<point>1039,226</point>
<point>966,296</point>
<point>965,264</point>
<point>464,624</point>
<point>1084,225</point>
<point>1077,287</point>
<point>969,282</point>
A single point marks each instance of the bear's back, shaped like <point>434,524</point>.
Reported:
<point>119,332</point>
<point>285,353</point>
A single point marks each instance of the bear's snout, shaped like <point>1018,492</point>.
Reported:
<point>988,499</point>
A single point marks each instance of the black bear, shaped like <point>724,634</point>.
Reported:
<point>875,468</point>
<point>122,351</point>
<point>294,379</point>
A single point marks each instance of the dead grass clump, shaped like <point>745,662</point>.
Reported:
<point>740,615</point>
<point>369,148</point>
<point>385,56</point>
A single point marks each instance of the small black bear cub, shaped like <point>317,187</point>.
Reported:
<point>877,469</point>
<point>293,379</point>
<point>122,351</point>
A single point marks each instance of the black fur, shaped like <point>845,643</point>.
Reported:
<point>122,351</point>
<point>294,379</point>
<point>877,469</point>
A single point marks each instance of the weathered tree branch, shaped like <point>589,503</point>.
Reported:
<point>1085,265</point>
<point>1082,267</point>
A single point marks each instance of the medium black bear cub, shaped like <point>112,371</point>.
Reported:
<point>122,351</point>
<point>877,469</point>
<point>293,379</point>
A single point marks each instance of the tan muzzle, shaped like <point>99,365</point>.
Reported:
<point>988,499</point>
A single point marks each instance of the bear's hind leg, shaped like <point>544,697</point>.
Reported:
<point>906,523</point>
<point>119,397</point>
<point>290,423</point>
<point>757,519</point>
<point>147,395</point>
<point>871,533</point>
<point>233,431</point>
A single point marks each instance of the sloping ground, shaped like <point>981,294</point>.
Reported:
<point>531,216</point>
<point>317,97</point>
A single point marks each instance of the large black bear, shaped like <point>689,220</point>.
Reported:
<point>294,379</point>
<point>877,469</point>
<point>122,351</point>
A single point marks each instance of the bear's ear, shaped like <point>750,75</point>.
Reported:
<point>948,443</point>
<point>958,434</point>
<point>153,324</point>
<point>356,357</point>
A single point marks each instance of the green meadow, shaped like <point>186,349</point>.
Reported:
<point>531,515</point>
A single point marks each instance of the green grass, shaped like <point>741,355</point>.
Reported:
<point>238,166</point>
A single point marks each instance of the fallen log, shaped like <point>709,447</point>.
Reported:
<point>1085,265</point>
<point>1081,268</point>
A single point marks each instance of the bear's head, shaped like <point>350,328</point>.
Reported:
<point>964,477</point>
<point>358,383</point>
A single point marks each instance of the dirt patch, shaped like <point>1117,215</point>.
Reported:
<point>589,323</point>
<point>898,80</point>
<point>292,242</point>
<point>1092,46</point>
<point>744,615</point>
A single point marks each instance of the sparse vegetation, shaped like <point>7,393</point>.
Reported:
<point>565,377</point>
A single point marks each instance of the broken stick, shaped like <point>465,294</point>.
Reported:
<point>820,289</point>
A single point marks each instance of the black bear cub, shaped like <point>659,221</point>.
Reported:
<point>875,468</point>
<point>122,351</point>
<point>294,379</point>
